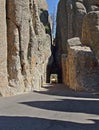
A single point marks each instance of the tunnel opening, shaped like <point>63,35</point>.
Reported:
<point>53,78</point>
<point>53,67</point>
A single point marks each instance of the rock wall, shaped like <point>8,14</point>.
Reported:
<point>90,32</point>
<point>3,48</point>
<point>70,16</point>
<point>80,67</point>
<point>79,56</point>
<point>26,45</point>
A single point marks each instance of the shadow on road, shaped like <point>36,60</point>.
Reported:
<point>81,109</point>
<point>28,123</point>
<point>63,90</point>
<point>72,102</point>
<point>67,105</point>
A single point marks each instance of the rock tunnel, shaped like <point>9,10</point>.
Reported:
<point>54,67</point>
<point>27,55</point>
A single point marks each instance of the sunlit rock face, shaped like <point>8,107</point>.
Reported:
<point>78,18</point>
<point>3,49</point>
<point>80,67</point>
<point>70,15</point>
<point>90,32</point>
<point>26,41</point>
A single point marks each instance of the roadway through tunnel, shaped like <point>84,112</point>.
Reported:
<point>54,69</point>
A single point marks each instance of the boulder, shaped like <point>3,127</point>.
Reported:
<point>80,67</point>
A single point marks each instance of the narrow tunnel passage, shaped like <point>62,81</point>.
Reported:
<point>53,68</point>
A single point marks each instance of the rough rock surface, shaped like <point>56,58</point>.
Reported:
<point>25,45</point>
<point>70,15</point>
<point>3,48</point>
<point>90,33</point>
<point>80,67</point>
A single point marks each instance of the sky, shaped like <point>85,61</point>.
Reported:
<point>52,5</point>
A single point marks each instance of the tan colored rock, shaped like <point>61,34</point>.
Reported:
<point>90,33</point>
<point>69,22</point>
<point>80,12</point>
<point>40,49</point>
<point>70,15</point>
<point>3,49</point>
<point>18,42</point>
<point>80,67</point>
<point>24,45</point>
<point>73,18</point>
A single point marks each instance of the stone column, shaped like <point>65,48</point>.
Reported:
<point>3,48</point>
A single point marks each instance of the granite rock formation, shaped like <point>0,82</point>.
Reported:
<point>80,67</point>
<point>24,44</point>
<point>70,15</point>
<point>90,32</point>
<point>79,56</point>
<point>3,48</point>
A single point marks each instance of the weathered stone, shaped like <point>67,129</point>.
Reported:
<point>80,67</point>
<point>18,40</point>
<point>3,49</point>
<point>70,15</point>
<point>28,49</point>
<point>69,24</point>
<point>90,33</point>
<point>94,8</point>
<point>41,45</point>
<point>94,2</point>
<point>78,17</point>
<point>73,18</point>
